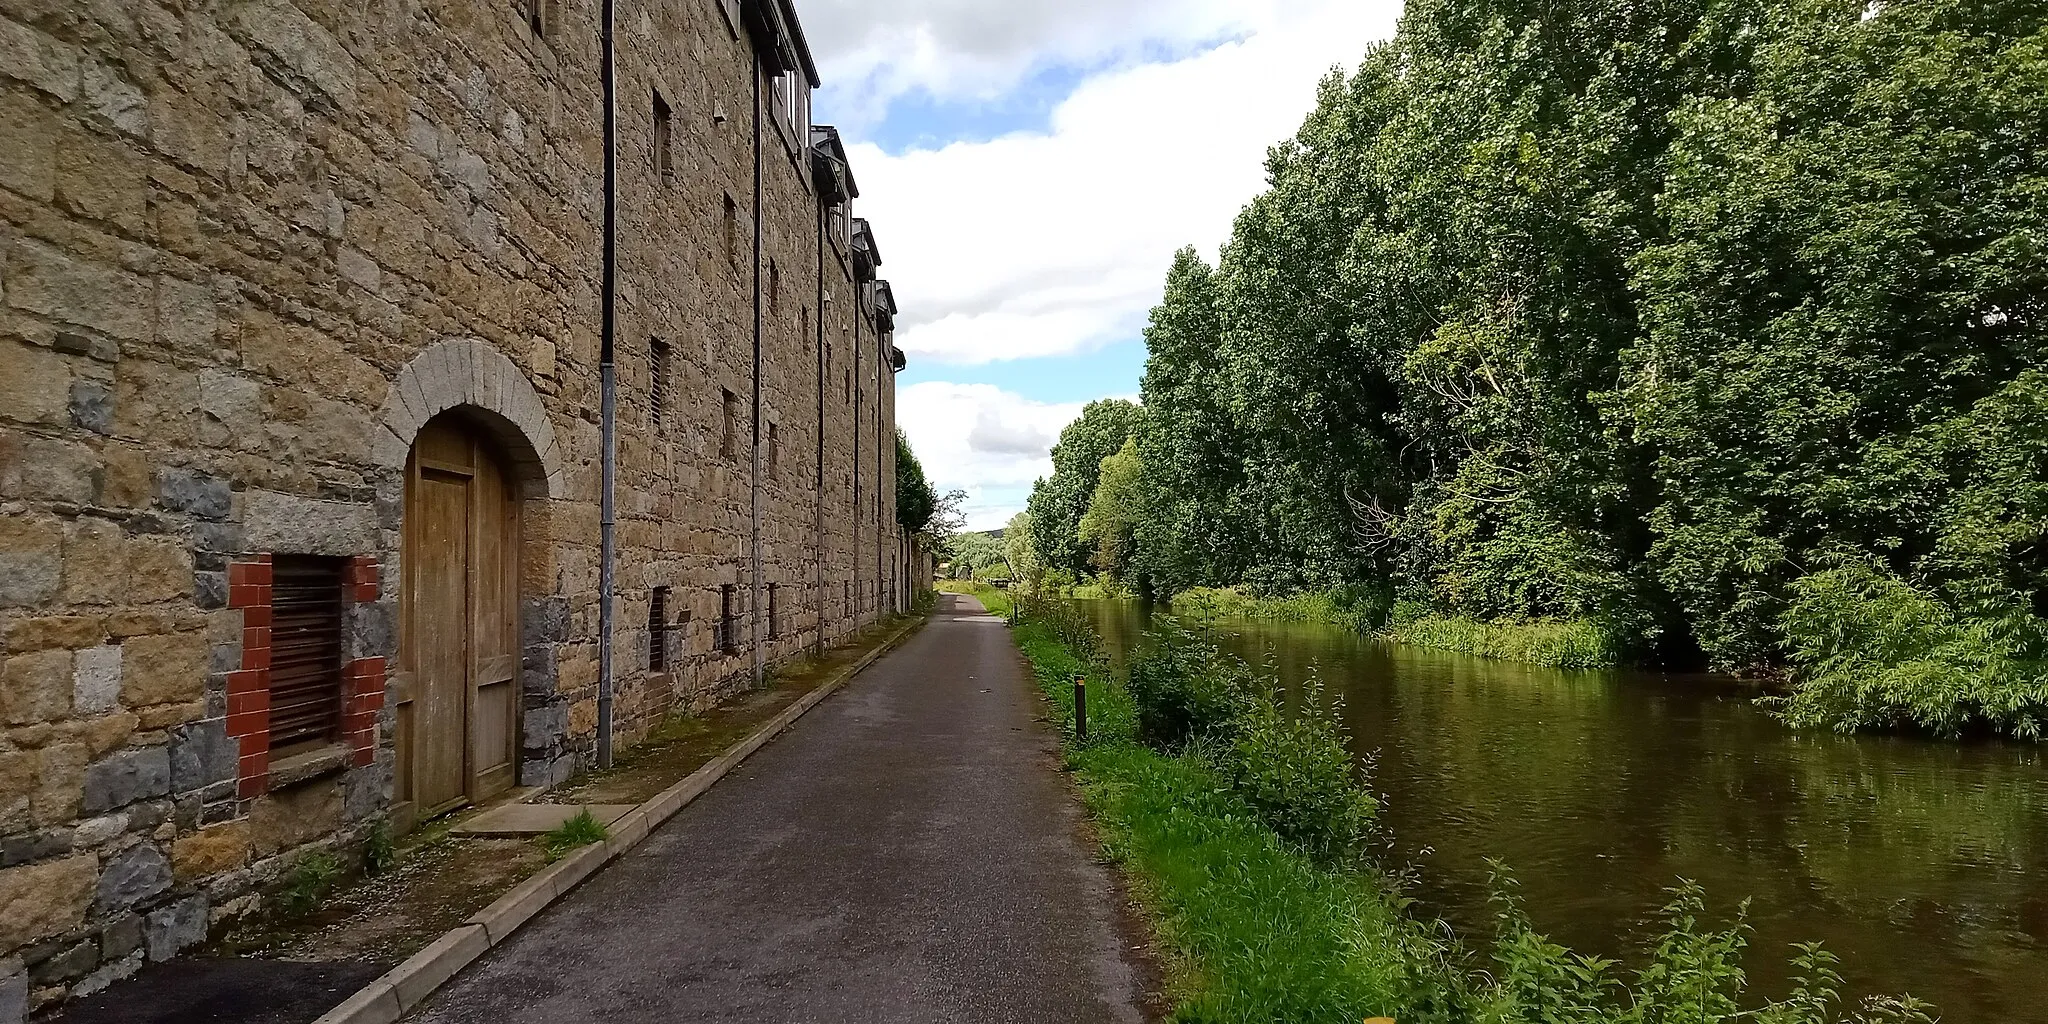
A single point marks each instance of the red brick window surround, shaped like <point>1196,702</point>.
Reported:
<point>261,707</point>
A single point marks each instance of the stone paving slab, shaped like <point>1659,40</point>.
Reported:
<point>536,819</point>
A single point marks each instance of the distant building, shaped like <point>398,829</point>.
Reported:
<point>301,424</point>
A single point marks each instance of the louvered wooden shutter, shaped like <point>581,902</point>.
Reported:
<point>305,650</point>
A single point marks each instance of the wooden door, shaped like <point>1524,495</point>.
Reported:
<point>458,679</point>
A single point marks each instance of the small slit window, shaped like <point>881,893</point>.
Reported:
<point>774,451</point>
<point>657,630</point>
<point>774,611</point>
<point>732,230</point>
<point>657,385</point>
<point>729,441</point>
<point>664,131</point>
<point>535,16</point>
<point>305,650</point>
<point>728,640</point>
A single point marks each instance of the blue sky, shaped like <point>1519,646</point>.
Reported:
<point>1030,171</point>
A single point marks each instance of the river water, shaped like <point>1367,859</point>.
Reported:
<point>1922,864</point>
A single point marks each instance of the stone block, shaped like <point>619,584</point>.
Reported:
<point>36,385</point>
<point>60,779</point>
<point>121,936</point>
<point>13,991</point>
<point>92,406</point>
<point>273,521</point>
<point>65,963</point>
<point>183,489</point>
<point>35,688</point>
<point>372,631</point>
<point>125,479</point>
<point>104,564</point>
<point>102,179</point>
<point>202,754</point>
<point>96,680</point>
<point>136,874</point>
<point>296,49</point>
<point>24,847</point>
<point>155,401</point>
<point>44,899</point>
<point>109,973</point>
<point>125,777</point>
<point>187,318</point>
<point>31,560</point>
<point>233,410</point>
<point>113,100</point>
<point>93,831</point>
<point>211,851</point>
<point>74,290</point>
<point>168,669</point>
<point>41,61</point>
<point>47,469</point>
<point>176,927</point>
<point>294,817</point>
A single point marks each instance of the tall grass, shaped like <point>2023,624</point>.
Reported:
<point>1355,610</point>
<point>1268,909</point>
<point>1565,643</point>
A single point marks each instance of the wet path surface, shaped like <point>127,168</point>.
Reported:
<point>906,852</point>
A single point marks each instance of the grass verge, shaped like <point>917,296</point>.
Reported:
<point>1257,928</point>
<point>998,602</point>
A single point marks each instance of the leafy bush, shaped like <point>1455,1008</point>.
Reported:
<point>380,849</point>
<point>308,882</point>
<point>1179,691</point>
<point>1871,650</point>
<point>1294,770</point>
<point>1693,976</point>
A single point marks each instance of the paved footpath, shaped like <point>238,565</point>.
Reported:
<point>906,852</point>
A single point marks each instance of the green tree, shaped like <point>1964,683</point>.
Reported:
<point>1111,522</point>
<point>917,504</point>
<point>1058,502</point>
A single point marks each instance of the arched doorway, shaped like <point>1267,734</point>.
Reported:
<point>458,672</point>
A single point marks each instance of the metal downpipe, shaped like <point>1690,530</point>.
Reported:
<point>608,400</point>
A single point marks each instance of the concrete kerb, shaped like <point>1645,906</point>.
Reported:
<point>399,990</point>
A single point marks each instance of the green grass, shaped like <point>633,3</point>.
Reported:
<point>1326,606</point>
<point>1563,643</point>
<point>1253,929</point>
<point>998,602</point>
<point>579,831</point>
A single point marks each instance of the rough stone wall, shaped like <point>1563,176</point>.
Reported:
<point>248,249</point>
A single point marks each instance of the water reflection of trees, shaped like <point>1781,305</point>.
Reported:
<point>1915,860</point>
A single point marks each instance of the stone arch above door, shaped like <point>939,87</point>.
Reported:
<point>470,374</point>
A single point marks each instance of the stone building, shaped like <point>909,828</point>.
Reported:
<point>302,424</point>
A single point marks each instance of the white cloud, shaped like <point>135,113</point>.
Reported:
<point>1057,242</point>
<point>989,442</point>
<point>874,51</point>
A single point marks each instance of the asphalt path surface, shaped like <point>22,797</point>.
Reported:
<point>908,851</point>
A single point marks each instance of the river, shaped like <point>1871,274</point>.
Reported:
<point>1922,864</point>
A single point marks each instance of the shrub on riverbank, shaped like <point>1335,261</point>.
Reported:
<point>1573,643</point>
<point>1258,928</point>
<point>1348,608</point>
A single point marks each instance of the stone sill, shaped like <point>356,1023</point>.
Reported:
<point>314,764</point>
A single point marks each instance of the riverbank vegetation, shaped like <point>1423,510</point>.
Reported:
<point>998,602</point>
<point>1713,330</point>
<point>1246,830</point>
